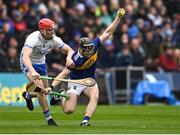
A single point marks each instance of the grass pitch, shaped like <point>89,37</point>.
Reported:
<point>106,120</point>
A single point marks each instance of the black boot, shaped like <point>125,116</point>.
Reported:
<point>51,122</point>
<point>29,102</point>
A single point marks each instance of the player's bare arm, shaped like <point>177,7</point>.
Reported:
<point>61,75</point>
<point>111,28</point>
<point>69,62</point>
<point>27,61</point>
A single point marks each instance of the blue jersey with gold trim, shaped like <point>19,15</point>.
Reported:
<point>85,67</point>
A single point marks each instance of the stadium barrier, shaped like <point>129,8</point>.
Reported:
<point>11,87</point>
<point>124,82</point>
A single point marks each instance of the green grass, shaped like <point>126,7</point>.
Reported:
<point>106,120</point>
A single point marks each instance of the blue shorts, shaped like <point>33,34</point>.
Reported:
<point>39,68</point>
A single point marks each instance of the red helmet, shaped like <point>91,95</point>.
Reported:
<point>46,23</point>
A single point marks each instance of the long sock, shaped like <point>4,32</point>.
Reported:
<point>86,119</point>
<point>28,96</point>
<point>47,115</point>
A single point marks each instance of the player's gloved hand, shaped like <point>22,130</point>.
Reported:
<point>70,63</point>
<point>121,12</point>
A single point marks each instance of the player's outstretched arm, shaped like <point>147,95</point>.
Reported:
<point>111,28</point>
<point>61,75</point>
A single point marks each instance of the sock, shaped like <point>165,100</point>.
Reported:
<point>86,119</point>
<point>28,96</point>
<point>47,115</point>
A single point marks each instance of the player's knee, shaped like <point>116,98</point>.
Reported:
<point>94,98</point>
<point>68,111</point>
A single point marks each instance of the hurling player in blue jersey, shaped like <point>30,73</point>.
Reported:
<point>85,65</point>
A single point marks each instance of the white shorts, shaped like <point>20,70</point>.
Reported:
<point>76,88</point>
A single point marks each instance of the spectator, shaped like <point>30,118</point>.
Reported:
<point>177,57</point>
<point>167,61</point>
<point>124,57</point>
<point>32,19</point>
<point>3,62</point>
<point>6,20</point>
<point>3,45</point>
<point>155,17</point>
<point>152,51</point>
<point>138,59</point>
<point>19,24</point>
<point>105,17</point>
<point>124,40</point>
<point>76,37</point>
<point>13,60</point>
<point>14,43</point>
<point>152,19</point>
<point>107,55</point>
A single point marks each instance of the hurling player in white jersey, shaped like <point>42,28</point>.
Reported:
<point>32,61</point>
<point>85,64</point>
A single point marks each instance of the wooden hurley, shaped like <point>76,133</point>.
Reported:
<point>86,81</point>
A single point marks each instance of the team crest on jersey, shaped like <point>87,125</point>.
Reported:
<point>40,49</point>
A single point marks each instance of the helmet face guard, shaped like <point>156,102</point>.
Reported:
<point>86,47</point>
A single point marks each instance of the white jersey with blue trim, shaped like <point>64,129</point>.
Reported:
<point>40,46</point>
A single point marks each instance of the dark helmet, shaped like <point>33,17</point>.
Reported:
<point>86,47</point>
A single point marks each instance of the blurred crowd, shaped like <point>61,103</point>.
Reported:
<point>149,34</point>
